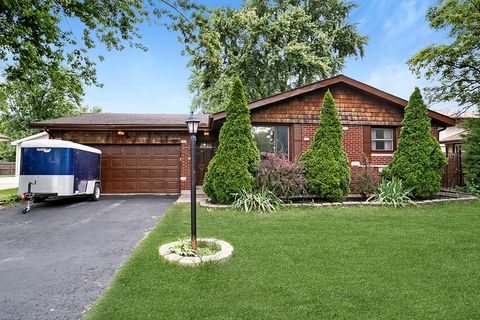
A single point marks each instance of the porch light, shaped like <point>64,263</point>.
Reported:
<point>192,123</point>
<point>121,133</point>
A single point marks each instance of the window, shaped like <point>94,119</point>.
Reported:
<point>271,139</point>
<point>382,139</point>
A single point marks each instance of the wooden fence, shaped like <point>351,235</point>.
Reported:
<point>452,172</point>
<point>7,168</point>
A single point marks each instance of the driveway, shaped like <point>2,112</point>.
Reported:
<point>58,258</point>
<point>8,183</point>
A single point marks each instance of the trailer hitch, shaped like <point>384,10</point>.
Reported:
<point>29,197</point>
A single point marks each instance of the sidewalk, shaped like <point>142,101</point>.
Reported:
<point>8,183</point>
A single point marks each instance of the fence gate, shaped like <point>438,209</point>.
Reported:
<point>452,172</point>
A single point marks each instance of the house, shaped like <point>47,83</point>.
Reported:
<point>451,139</point>
<point>149,153</point>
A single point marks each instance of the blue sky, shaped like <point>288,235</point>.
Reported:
<point>156,81</point>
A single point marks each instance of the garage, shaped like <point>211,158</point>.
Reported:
<point>141,153</point>
<point>140,168</point>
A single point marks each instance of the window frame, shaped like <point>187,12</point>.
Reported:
<point>271,125</point>
<point>373,140</point>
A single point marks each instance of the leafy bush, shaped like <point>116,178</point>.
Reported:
<point>364,180</point>
<point>281,176</point>
<point>265,201</point>
<point>232,168</point>
<point>392,193</point>
<point>325,161</point>
<point>418,161</point>
<point>184,248</point>
<point>471,155</point>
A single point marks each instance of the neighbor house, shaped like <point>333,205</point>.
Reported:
<point>149,153</point>
<point>452,138</point>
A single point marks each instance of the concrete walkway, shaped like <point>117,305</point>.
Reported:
<point>185,195</point>
<point>8,183</point>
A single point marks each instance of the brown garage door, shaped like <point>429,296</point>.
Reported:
<point>140,168</point>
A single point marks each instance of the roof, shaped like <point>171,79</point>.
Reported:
<point>332,81</point>
<point>46,144</point>
<point>122,121</point>
<point>459,114</point>
<point>456,138</point>
<point>4,138</point>
<point>32,137</point>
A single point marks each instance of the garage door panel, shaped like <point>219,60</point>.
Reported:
<point>131,162</point>
<point>140,168</point>
<point>130,174</point>
<point>144,174</point>
<point>142,162</point>
<point>130,150</point>
<point>116,162</point>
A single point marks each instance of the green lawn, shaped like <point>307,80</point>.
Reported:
<point>310,263</point>
<point>5,193</point>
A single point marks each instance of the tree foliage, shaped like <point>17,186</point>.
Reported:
<point>471,154</point>
<point>456,65</point>
<point>37,35</point>
<point>272,45</point>
<point>22,103</point>
<point>418,161</point>
<point>232,168</point>
<point>325,161</point>
<point>46,51</point>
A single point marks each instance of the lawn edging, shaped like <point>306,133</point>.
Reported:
<point>226,251</point>
<point>449,197</point>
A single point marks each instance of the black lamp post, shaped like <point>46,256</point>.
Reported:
<point>192,123</point>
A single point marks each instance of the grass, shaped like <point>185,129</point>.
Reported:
<point>310,263</point>
<point>4,194</point>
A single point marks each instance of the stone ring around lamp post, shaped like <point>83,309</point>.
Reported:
<point>226,251</point>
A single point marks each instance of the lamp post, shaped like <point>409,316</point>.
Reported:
<point>192,123</point>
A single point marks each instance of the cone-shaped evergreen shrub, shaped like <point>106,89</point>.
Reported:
<point>418,161</point>
<point>471,154</point>
<point>232,168</point>
<point>325,161</point>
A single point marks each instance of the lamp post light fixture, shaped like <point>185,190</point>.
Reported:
<point>192,124</point>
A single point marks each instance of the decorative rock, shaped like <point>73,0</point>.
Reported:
<point>189,261</point>
<point>226,251</point>
<point>172,257</point>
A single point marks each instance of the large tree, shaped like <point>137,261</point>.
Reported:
<point>418,161</point>
<point>272,45</point>
<point>456,64</point>
<point>46,53</point>
<point>44,96</point>
<point>48,34</point>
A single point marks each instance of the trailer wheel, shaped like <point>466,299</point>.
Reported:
<point>96,193</point>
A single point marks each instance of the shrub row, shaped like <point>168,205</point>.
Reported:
<point>323,169</point>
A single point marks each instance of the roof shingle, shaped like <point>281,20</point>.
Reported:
<point>135,119</point>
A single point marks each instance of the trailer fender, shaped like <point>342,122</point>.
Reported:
<point>91,186</point>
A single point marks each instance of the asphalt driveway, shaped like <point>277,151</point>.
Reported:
<point>58,258</point>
